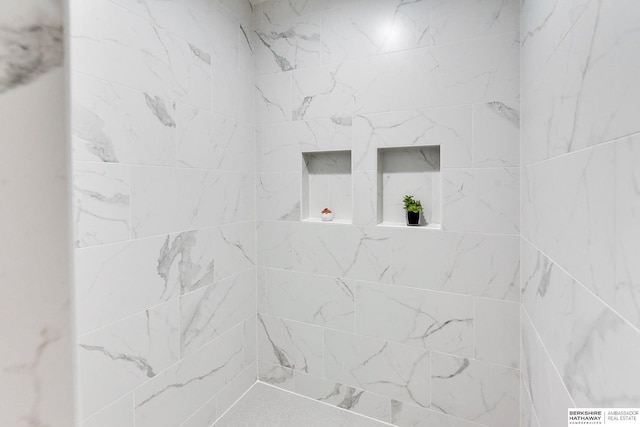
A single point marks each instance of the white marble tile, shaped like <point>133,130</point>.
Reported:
<point>465,19</point>
<point>165,200</point>
<point>280,144</point>
<point>342,396</point>
<point>466,263</point>
<point>408,26</point>
<point>393,370</point>
<point>275,244</point>
<point>171,397</point>
<point>240,8</point>
<point>627,289</point>
<point>407,415</point>
<point>425,319</point>
<point>236,388</point>
<point>324,134</point>
<point>497,332</point>
<point>568,210</point>
<point>119,413</point>
<point>496,134</point>
<point>168,66</point>
<point>273,98</point>
<point>209,312</point>
<point>288,46</point>
<point>277,147</point>
<point>361,29</point>
<point>592,347</point>
<point>229,84</point>
<point>365,197</point>
<point>450,128</point>
<point>188,19</point>
<point>278,196</point>
<point>475,391</point>
<point>320,300</point>
<point>113,123</point>
<point>206,415</point>
<point>196,252</point>
<point>340,250</point>
<point>236,197</point>
<point>481,200</point>
<point>548,393</point>
<point>235,249</point>
<point>476,70</point>
<point>275,375</point>
<point>588,43</point>
<point>342,89</point>
<point>118,280</point>
<point>119,357</point>
<point>282,11</point>
<point>292,345</point>
<point>250,340</point>
<point>101,204</point>
<point>208,140</point>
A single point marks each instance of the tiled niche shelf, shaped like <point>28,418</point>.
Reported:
<point>326,183</point>
<point>409,170</point>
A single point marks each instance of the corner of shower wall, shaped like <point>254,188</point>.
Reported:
<point>164,208</point>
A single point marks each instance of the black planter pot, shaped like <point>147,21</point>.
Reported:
<point>413,218</point>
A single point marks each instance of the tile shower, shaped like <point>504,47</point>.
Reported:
<point>207,136</point>
<point>420,324</point>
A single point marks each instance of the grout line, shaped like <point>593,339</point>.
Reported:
<point>353,413</point>
<point>155,306</point>
<point>584,149</point>
<point>193,414</point>
<point>584,287</point>
<point>525,386</point>
<point>391,285</point>
<point>386,56</point>
<point>234,403</point>
<point>165,234</point>
<point>548,355</point>
<point>181,166</point>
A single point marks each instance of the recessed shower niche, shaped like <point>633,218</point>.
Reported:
<point>326,183</point>
<point>414,171</point>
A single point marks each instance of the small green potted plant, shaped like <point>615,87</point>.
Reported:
<point>413,208</point>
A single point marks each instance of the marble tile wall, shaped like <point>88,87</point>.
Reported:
<point>409,326</point>
<point>164,209</point>
<point>36,320</point>
<point>580,208</point>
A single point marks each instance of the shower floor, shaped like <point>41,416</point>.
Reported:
<point>266,406</point>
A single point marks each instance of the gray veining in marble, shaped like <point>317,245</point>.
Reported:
<point>28,52</point>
